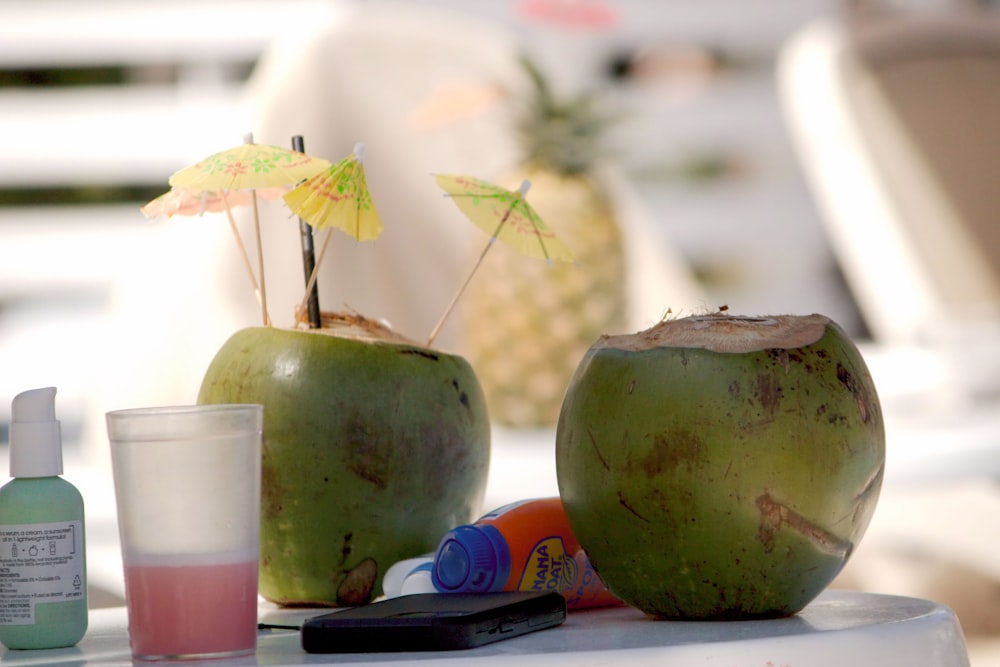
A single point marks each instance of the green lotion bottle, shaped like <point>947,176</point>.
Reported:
<point>43,573</point>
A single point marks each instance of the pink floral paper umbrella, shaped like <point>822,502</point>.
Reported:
<point>249,167</point>
<point>185,202</point>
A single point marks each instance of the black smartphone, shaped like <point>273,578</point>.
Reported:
<point>433,622</point>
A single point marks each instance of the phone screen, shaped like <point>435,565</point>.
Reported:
<point>433,622</point>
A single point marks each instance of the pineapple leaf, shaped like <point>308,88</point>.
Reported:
<point>561,135</point>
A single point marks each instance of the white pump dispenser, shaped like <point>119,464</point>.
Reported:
<point>42,542</point>
<point>35,435</point>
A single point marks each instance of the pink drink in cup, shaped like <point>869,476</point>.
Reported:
<point>193,609</point>
<point>187,484</point>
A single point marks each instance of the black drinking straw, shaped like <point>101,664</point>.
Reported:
<point>308,254</point>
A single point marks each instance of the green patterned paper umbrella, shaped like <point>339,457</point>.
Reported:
<point>505,216</point>
<point>338,198</point>
<point>248,166</point>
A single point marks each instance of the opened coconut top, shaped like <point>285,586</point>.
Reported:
<point>358,327</point>
<point>720,332</point>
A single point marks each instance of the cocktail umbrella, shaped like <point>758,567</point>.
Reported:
<point>251,167</point>
<point>505,216</point>
<point>336,198</point>
<point>184,202</point>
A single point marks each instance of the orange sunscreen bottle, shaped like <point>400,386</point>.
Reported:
<point>524,546</point>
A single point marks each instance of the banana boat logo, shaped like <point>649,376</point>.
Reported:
<point>549,568</point>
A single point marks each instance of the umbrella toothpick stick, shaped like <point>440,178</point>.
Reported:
<point>248,139</point>
<point>523,190</point>
<point>260,262</point>
<point>242,248</point>
<point>458,295</point>
<point>304,304</point>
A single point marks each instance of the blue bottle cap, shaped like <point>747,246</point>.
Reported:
<point>471,559</point>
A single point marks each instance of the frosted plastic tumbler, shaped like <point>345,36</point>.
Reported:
<point>187,486</point>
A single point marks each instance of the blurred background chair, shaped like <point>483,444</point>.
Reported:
<point>895,122</point>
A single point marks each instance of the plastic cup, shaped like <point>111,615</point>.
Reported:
<point>187,487</point>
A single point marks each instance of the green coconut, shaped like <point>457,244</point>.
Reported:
<point>374,447</point>
<point>721,467</point>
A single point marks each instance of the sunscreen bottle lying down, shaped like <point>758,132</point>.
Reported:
<point>409,576</point>
<point>524,546</point>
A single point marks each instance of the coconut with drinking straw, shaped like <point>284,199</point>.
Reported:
<point>374,446</point>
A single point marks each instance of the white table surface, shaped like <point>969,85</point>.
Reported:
<point>839,628</point>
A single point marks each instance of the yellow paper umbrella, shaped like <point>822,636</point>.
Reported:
<point>251,167</point>
<point>336,198</point>
<point>248,166</point>
<point>505,216</point>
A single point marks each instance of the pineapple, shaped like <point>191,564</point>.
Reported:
<point>525,324</point>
